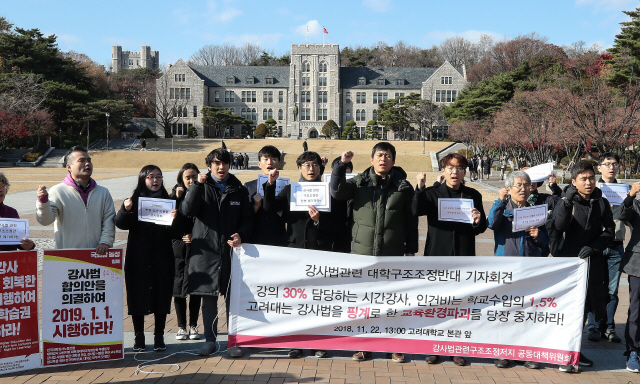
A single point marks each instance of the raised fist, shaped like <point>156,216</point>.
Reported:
<point>273,176</point>
<point>347,156</point>
<point>202,177</point>
<point>42,192</point>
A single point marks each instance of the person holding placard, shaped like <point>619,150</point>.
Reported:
<point>531,242</point>
<point>582,226</point>
<point>223,218</point>
<point>6,212</point>
<point>630,264</point>
<point>149,266</point>
<point>181,243</point>
<point>383,221</point>
<point>82,209</point>
<point>606,328</point>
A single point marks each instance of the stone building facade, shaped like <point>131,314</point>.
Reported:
<point>146,58</point>
<point>305,95</point>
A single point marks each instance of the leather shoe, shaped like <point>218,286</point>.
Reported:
<point>234,352</point>
<point>594,336</point>
<point>612,337</point>
<point>396,357</point>
<point>432,359</point>
<point>295,353</point>
<point>532,364</point>
<point>459,361</point>
<point>501,363</point>
<point>361,356</point>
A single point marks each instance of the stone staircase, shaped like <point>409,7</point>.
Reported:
<point>55,159</point>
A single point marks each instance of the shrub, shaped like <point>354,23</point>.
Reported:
<point>147,134</point>
<point>31,156</point>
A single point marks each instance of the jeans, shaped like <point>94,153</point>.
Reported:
<point>631,334</point>
<point>613,255</point>
<point>210,316</point>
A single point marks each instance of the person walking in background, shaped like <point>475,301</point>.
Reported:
<point>305,146</point>
<point>149,265</point>
<point>246,161</point>
<point>472,168</point>
<point>143,144</point>
<point>240,159</point>
<point>486,167</point>
<point>504,161</point>
<point>478,167</point>
<point>181,243</point>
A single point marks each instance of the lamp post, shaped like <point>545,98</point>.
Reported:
<point>107,115</point>
<point>422,133</point>
<point>626,166</point>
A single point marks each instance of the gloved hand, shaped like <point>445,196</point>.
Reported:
<point>570,194</point>
<point>586,252</point>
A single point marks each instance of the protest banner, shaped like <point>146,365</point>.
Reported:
<point>82,306</point>
<point>12,231</point>
<point>304,194</point>
<point>615,193</point>
<point>19,337</point>
<point>540,172</point>
<point>457,210</point>
<point>521,308</point>
<point>526,217</point>
<point>281,182</point>
<point>156,211</point>
<point>327,177</point>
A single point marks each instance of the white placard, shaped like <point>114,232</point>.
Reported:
<point>281,182</point>
<point>155,210</point>
<point>13,230</point>
<point>615,193</point>
<point>540,172</point>
<point>305,194</point>
<point>327,177</point>
<point>526,217</point>
<point>486,307</point>
<point>458,210</point>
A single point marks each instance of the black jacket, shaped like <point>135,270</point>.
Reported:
<point>447,238</point>
<point>269,227</point>
<point>149,263</point>
<point>217,217</point>
<point>536,198</point>
<point>181,250</point>
<point>630,212</point>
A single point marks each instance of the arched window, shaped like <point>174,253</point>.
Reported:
<point>363,116</point>
<point>270,113</point>
<point>233,110</point>
<point>357,115</point>
<point>254,114</point>
<point>280,117</point>
<point>174,112</point>
<point>375,114</point>
<point>348,115</point>
<point>184,112</point>
<point>323,67</point>
<point>306,67</point>
<point>243,113</point>
<point>264,114</point>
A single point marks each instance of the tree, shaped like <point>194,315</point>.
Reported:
<point>350,131</point>
<point>219,119</point>
<point>425,114</point>
<point>192,132</point>
<point>167,105</point>
<point>247,128</point>
<point>626,52</point>
<point>39,123</point>
<point>5,25</point>
<point>138,87</point>
<point>11,126</point>
<point>394,115</point>
<point>21,94</point>
<point>371,131</point>
<point>272,128</point>
<point>227,55</point>
<point>261,131</point>
<point>120,113</point>
<point>330,129</point>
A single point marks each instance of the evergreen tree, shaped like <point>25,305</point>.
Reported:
<point>626,51</point>
<point>330,129</point>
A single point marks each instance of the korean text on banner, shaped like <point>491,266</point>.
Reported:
<point>540,172</point>
<point>19,338</point>
<point>156,211</point>
<point>12,231</point>
<point>463,306</point>
<point>526,217</point>
<point>458,210</point>
<point>615,193</point>
<point>82,306</point>
<point>305,194</point>
<point>281,182</point>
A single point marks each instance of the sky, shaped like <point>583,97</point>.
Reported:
<point>179,29</point>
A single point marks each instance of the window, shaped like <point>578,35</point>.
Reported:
<point>306,67</point>
<point>268,80</point>
<point>306,81</point>
<point>179,112</point>
<point>375,97</point>
<point>305,114</point>
<point>357,115</point>
<point>363,115</point>
<point>446,80</point>
<point>174,112</point>
<point>253,96</point>
<point>322,81</point>
<point>380,82</point>
<point>195,111</point>
<point>231,80</point>
<point>264,114</point>
<point>243,113</point>
<point>280,130</point>
<point>361,97</point>
<point>384,97</point>
<point>130,61</point>
<point>254,114</point>
<point>280,96</point>
<point>180,129</point>
<point>217,97</point>
<point>399,95</point>
<point>138,62</point>
<point>249,80</point>
<point>182,92</point>
<point>280,114</point>
<point>270,114</point>
<point>180,77</point>
<point>322,97</point>
<point>171,96</point>
<point>399,81</point>
<point>375,114</point>
<point>323,67</point>
<point>305,97</point>
<point>362,81</point>
<point>357,97</point>
<point>348,97</point>
<point>188,93</point>
<point>348,115</point>
<point>322,114</point>
<point>447,96</point>
<point>243,96</point>
<point>271,96</point>
<point>229,97</point>
<point>264,96</point>
<point>184,112</point>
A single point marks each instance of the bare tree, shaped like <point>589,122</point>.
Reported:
<point>22,94</point>
<point>425,114</point>
<point>227,55</point>
<point>458,51</point>
<point>169,104</point>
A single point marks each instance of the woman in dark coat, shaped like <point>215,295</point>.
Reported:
<point>149,265</point>
<point>181,242</point>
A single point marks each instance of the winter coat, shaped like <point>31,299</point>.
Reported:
<point>486,166</point>
<point>536,198</point>
<point>472,165</point>
<point>630,212</point>
<point>448,238</point>
<point>181,250</point>
<point>269,227</point>
<point>217,217</point>
<point>149,263</point>
<point>383,221</point>
<point>509,243</point>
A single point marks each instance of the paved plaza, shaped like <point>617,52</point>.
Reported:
<point>263,366</point>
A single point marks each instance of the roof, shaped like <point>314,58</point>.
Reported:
<point>216,76</point>
<point>413,77</point>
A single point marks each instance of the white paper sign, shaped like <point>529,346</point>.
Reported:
<point>526,217</point>
<point>486,307</point>
<point>327,177</point>
<point>155,210</point>
<point>458,210</point>
<point>310,193</point>
<point>281,182</point>
<point>615,193</point>
<point>13,230</point>
<point>540,172</point>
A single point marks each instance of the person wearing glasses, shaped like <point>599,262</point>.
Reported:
<point>7,212</point>
<point>609,165</point>
<point>309,230</point>
<point>149,266</point>
<point>82,210</point>
<point>447,238</point>
<point>531,242</point>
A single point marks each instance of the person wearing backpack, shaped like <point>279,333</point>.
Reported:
<point>582,225</point>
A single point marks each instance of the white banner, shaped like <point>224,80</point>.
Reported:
<point>327,177</point>
<point>540,172</point>
<point>526,217</point>
<point>457,210</point>
<point>521,308</point>
<point>614,193</point>
<point>156,211</point>
<point>281,182</point>
<point>309,193</point>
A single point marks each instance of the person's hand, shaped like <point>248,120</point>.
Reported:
<point>27,244</point>
<point>421,179</point>
<point>235,240</point>
<point>347,156</point>
<point>101,249</point>
<point>202,178</point>
<point>42,192</point>
<point>475,215</point>
<point>440,179</point>
<point>532,231</point>
<point>503,193</point>
<point>187,238</point>
<point>635,188</point>
<point>570,193</point>
<point>314,213</point>
<point>552,180</point>
<point>324,160</point>
<point>257,202</point>
<point>128,204</point>
<point>179,191</point>
<point>586,251</point>
<point>273,176</point>
<point>174,213</point>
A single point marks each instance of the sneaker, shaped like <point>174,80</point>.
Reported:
<point>182,334</point>
<point>612,337</point>
<point>568,368</point>
<point>158,343</point>
<point>501,363</point>
<point>321,354</point>
<point>295,353</point>
<point>633,364</point>
<point>138,344</point>
<point>396,357</point>
<point>208,348</point>
<point>584,361</point>
<point>532,365</point>
<point>234,352</point>
<point>594,335</point>
<point>361,356</point>
<point>193,334</point>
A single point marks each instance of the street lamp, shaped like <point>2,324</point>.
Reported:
<point>422,133</point>
<point>107,115</point>
<point>626,166</point>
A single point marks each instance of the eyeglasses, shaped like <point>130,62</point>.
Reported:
<point>521,186</point>
<point>450,169</point>
<point>154,177</point>
<point>3,187</point>
<point>610,165</point>
<point>310,165</point>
